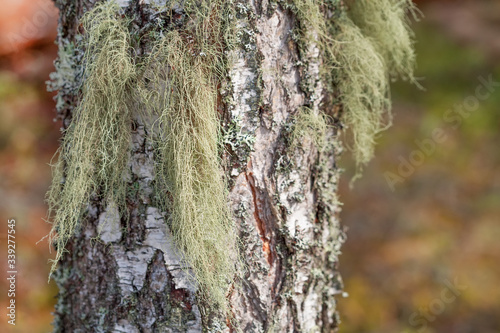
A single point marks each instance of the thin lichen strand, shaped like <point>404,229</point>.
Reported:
<point>94,148</point>
<point>364,90</point>
<point>361,49</point>
<point>183,73</point>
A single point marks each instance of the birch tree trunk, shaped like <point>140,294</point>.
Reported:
<point>283,200</point>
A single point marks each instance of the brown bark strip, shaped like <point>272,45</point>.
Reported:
<point>261,225</point>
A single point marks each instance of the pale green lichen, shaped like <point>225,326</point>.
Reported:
<point>386,23</point>
<point>177,84</point>
<point>363,84</point>
<point>182,75</point>
<point>94,149</point>
<point>309,124</point>
<point>65,80</point>
<point>361,50</point>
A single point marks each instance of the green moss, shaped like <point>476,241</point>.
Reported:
<point>94,149</point>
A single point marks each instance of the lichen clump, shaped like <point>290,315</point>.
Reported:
<point>311,125</point>
<point>364,90</point>
<point>175,85</point>
<point>363,47</point>
<point>386,24</point>
<point>94,149</point>
<point>183,74</point>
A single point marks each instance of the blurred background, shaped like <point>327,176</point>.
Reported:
<point>423,247</point>
<point>28,139</point>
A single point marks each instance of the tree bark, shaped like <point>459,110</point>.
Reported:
<point>127,276</point>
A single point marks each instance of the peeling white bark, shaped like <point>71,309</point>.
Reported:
<point>123,326</point>
<point>159,237</point>
<point>132,266</point>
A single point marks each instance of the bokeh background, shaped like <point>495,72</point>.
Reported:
<point>409,239</point>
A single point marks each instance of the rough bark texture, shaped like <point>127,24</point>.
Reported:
<point>127,276</point>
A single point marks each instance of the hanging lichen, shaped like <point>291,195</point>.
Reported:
<point>183,73</point>
<point>362,47</point>
<point>94,149</point>
<point>178,86</point>
<point>364,90</point>
<point>386,23</point>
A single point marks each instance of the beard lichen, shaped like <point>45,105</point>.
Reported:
<point>183,73</point>
<point>176,85</point>
<point>363,84</point>
<point>362,48</point>
<point>386,23</point>
<point>309,124</point>
<point>94,149</point>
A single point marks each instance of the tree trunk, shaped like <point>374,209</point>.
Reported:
<point>123,276</point>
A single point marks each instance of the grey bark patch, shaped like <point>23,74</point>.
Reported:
<point>158,236</point>
<point>132,267</point>
<point>109,227</point>
<point>123,326</point>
